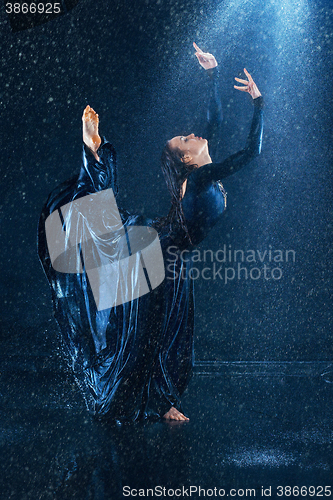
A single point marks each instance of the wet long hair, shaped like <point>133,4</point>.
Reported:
<point>175,173</point>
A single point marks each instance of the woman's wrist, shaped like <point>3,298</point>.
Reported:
<point>258,102</point>
<point>213,72</point>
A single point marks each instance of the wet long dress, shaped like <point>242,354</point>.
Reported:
<point>135,360</point>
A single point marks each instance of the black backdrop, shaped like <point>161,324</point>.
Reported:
<point>134,63</point>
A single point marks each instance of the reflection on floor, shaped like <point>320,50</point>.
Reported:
<point>248,430</point>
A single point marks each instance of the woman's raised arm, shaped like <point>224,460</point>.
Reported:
<point>218,171</point>
<point>213,128</point>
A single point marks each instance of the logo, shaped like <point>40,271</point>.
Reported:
<point>122,263</point>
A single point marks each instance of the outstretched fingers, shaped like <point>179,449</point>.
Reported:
<point>244,89</point>
<point>248,75</point>
<point>197,48</point>
<point>248,83</point>
<point>199,53</point>
<point>245,82</point>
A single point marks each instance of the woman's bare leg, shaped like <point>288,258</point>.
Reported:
<point>174,414</point>
<point>90,130</point>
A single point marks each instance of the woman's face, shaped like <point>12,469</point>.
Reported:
<point>191,148</point>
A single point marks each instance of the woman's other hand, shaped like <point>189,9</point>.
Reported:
<point>206,60</point>
<point>250,86</point>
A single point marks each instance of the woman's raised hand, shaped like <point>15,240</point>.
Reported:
<point>250,86</point>
<point>206,60</point>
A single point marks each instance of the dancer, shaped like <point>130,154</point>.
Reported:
<point>135,360</point>
<point>198,200</point>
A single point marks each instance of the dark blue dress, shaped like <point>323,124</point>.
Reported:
<point>203,204</point>
<point>135,360</point>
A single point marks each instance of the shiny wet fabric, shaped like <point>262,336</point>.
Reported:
<point>135,360</point>
<point>116,353</point>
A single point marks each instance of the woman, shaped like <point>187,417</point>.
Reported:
<point>198,201</point>
<point>135,360</point>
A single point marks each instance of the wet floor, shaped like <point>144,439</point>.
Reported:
<point>252,428</point>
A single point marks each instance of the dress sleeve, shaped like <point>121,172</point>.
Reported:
<point>98,175</point>
<point>218,171</point>
<point>214,111</point>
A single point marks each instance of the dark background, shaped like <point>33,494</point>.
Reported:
<point>133,62</point>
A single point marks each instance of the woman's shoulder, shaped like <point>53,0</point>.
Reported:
<point>201,177</point>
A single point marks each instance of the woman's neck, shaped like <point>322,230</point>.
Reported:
<point>183,189</point>
<point>204,160</point>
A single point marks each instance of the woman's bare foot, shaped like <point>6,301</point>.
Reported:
<point>90,130</point>
<point>174,414</point>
